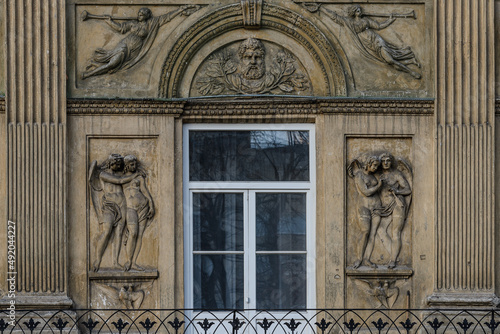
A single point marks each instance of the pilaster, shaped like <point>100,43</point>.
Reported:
<point>36,149</point>
<point>465,109</point>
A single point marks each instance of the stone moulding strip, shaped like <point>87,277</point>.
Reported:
<point>121,107</point>
<point>244,107</point>
<point>497,106</point>
<point>114,274</point>
<point>381,272</point>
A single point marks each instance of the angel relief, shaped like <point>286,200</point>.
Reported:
<point>249,75</point>
<point>385,291</point>
<point>121,200</point>
<point>385,197</point>
<point>129,296</point>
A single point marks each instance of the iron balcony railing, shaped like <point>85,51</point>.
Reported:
<point>320,321</point>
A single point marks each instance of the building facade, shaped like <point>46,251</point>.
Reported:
<point>253,154</point>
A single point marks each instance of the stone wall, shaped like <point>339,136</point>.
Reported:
<point>401,95</point>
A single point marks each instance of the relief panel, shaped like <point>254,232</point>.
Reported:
<point>385,44</point>
<point>251,66</point>
<point>116,46</point>
<point>122,224</point>
<point>379,222</point>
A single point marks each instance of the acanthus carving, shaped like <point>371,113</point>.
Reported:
<point>129,51</point>
<point>121,199</point>
<point>384,187</point>
<point>223,74</point>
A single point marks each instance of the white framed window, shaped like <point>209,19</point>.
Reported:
<point>249,216</point>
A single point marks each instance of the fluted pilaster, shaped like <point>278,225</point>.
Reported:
<point>36,146</point>
<point>465,110</point>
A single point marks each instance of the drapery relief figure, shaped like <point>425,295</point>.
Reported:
<point>249,74</point>
<point>141,31</point>
<point>384,203</point>
<point>120,198</point>
<point>362,30</point>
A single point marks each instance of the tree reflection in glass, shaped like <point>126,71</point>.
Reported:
<point>218,234</point>
<point>249,155</point>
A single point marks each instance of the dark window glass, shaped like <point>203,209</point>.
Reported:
<point>217,222</point>
<point>249,155</point>
<point>281,281</point>
<point>218,281</point>
<point>281,222</point>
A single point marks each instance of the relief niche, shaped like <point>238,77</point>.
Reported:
<point>124,208</point>
<point>380,186</point>
<point>251,67</point>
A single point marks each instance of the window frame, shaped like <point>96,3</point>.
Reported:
<point>250,190</point>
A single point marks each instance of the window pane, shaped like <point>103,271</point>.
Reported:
<point>281,281</point>
<point>217,222</point>
<point>218,281</point>
<point>281,222</point>
<point>249,155</point>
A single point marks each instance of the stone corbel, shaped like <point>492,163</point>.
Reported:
<point>251,10</point>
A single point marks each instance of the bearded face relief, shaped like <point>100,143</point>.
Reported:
<point>252,59</point>
<point>251,67</point>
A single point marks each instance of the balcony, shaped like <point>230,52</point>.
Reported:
<point>320,321</point>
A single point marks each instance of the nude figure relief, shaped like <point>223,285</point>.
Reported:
<point>384,188</point>
<point>141,33</point>
<point>124,209</point>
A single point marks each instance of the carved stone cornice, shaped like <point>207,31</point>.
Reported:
<point>123,107</point>
<point>258,106</point>
<point>2,105</point>
<point>373,106</point>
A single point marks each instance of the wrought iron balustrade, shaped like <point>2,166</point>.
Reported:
<point>318,321</point>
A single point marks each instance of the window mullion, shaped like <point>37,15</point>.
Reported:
<point>251,251</point>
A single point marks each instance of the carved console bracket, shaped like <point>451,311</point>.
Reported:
<point>379,273</point>
<point>252,10</point>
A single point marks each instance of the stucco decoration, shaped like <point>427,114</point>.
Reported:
<point>385,198</point>
<point>124,208</point>
<point>250,67</point>
<point>141,33</point>
<point>326,54</point>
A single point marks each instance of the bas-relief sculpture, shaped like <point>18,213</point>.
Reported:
<point>247,72</point>
<point>362,31</point>
<point>385,291</point>
<point>385,197</point>
<point>141,31</point>
<point>129,296</point>
<point>121,199</point>
<point>384,191</point>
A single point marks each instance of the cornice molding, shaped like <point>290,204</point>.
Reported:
<point>2,105</point>
<point>123,107</point>
<point>257,106</point>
